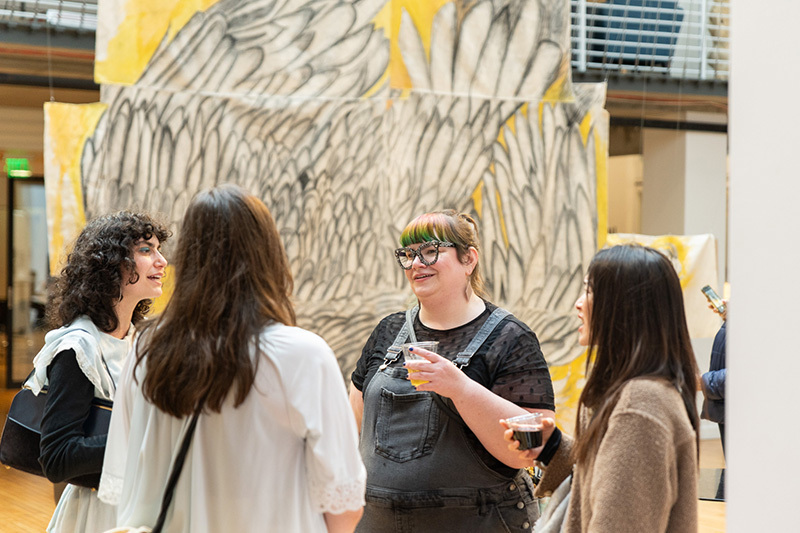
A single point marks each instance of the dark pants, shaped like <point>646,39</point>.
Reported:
<point>503,512</point>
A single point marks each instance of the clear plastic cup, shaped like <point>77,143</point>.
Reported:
<point>432,346</point>
<point>527,430</point>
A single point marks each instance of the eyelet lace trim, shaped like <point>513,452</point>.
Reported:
<point>110,489</point>
<point>340,498</point>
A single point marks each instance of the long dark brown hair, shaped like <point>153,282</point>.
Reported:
<point>232,278</point>
<point>637,329</point>
<point>101,260</point>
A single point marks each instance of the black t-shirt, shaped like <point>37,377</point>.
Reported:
<point>510,363</point>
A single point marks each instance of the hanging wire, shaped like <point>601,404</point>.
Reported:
<point>50,63</point>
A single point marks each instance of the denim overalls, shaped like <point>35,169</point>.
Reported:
<point>423,474</point>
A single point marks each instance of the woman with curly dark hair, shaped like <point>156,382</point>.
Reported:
<point>112,273</point>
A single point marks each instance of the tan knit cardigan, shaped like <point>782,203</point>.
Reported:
<point>644,476</point>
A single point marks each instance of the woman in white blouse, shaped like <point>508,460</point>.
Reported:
<point>275,447</point>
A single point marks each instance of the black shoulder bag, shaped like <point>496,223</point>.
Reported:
<point>19,445</point>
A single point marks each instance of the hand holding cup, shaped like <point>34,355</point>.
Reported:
<point>527,430</point>
<point>409,355</point>
<point>435,373</point>
<point>530,454</point>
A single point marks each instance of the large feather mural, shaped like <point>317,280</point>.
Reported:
<point>349,118</point>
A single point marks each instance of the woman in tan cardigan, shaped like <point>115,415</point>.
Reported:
<point>635,449</point>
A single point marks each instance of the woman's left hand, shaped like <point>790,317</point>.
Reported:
<point>548,426</point>
<point>442,375</point>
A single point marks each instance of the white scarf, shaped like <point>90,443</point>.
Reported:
<point>91,347</point>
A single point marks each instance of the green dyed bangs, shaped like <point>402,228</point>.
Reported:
<point>428,227</point>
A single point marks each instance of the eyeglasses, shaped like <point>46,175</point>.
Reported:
<point>428,253</point>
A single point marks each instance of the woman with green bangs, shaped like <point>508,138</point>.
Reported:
<point>436,458</point>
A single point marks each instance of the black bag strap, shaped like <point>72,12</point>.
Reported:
<point>175,473</point>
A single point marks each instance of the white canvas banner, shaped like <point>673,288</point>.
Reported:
<point>695,260</point>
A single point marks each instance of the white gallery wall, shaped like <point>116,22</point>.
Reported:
<point>763,361</point>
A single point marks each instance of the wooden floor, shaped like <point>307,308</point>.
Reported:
<point>711,514</point>
<point>26,501</point>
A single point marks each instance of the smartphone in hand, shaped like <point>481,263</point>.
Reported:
<point>714,299</point>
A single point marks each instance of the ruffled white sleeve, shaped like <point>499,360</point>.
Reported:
<point>114,460</point>
<point>336,474</point>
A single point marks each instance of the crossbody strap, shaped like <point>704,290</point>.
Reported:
<point>175,473</point>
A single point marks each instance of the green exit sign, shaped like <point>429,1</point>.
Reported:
<point>18,167</point>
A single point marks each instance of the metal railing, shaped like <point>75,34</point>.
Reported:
<point>683,39</point>
<point>79,16</point>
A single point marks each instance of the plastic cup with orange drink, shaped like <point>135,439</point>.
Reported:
<point>431,346</point>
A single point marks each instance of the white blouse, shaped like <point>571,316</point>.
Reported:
<point>277,462</point>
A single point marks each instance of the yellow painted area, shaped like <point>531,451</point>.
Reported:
<point>501,136</point>
<point>146,23</point>
<point>383,20</point>
<point>168,288</point>
<point>369,93</point>
<point>570,377</point>
<point>601,161</point>
<point>674,247</point>
<point>540,110</point>
<point>502,217</point>
<point>585,127</point>
<point>512,125</point>
<point>421,13</point>
<point>477,199</point>
<point>560,90</point>
<point>69,127</point>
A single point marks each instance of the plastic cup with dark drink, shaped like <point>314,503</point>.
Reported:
<point>527,430</point>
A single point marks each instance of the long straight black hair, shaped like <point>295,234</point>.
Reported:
<point>637,329</point>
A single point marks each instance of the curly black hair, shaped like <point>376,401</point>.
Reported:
<point>103,255</point>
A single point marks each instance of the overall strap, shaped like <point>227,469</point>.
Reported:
<point>406,332</point>
<point>411,314</point>
<point>463,358</point>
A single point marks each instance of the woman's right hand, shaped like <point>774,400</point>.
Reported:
<point>548,426</point>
